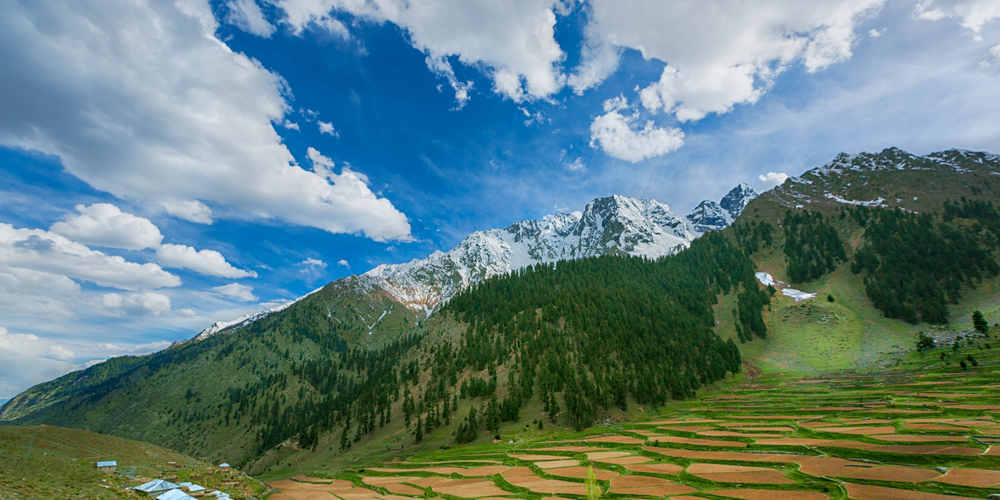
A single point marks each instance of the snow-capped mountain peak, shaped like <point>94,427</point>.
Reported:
<point>737,199</point>
<point>712,216</point>
<point>612,225</point>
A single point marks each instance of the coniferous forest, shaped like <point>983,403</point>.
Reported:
<point>914,265</point>
<point>588,334</point>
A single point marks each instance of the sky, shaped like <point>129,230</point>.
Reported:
<point>168,164</point>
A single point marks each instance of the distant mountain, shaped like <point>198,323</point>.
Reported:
<point>611,225</point>
<point>712,216</point>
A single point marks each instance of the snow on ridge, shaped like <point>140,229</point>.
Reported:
<point>607,225</point>
<point>880,202</point>
<point>219,326</point>
<point>797,295</point>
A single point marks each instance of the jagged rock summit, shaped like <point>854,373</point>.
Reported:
<point>712,216</point>
<point>611,225</point>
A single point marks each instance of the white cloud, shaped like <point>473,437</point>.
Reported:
<point>343,262</point>
<point>875,33</point>
<point>187,312</point>
<point>45,252</point>
<point>327,128</point>
<point>974,14</point>
<point>246,15</point>
<point>995,52</point>
<point>618,136</point>
<point>512,41</point>
<point>290,125</point>
<point>442,68</point>
<point>236,291</point>
<point>207,262</point>
<point>29,293</point>
<point>104,224</point>
<point>27,359</point>
<point>313,263</point>
<point>576,165</point>
<point>137,304</point>
<point>140,99</point>
<point>59,352</point>
<point>772,179</point>
<point>720,53</point>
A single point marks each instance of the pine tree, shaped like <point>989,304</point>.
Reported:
<point>979,323</point>
<point>420,429</point>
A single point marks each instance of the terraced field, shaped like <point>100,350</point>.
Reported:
<point>926,434</point>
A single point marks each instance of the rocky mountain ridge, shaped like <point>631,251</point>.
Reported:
<point>615,224</point>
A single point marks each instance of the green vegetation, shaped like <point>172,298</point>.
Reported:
<point>914,267</point>
<point>812,246</point>
<point>980,323</point>
<point>53,462</point>
<point>597,331</point>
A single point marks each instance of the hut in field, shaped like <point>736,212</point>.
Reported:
<point>175,494</point>
<point>156,487</point>
<point>223,466</point>
<point>107,467</point>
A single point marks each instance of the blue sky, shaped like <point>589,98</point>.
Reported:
<point>165,165</point>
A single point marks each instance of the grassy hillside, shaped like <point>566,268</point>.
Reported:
<point>185,397</point>
<point>60,464</point>
<point>851,332</point>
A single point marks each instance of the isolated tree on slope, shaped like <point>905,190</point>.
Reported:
<point>979,323</point>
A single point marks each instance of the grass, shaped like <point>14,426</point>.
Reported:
<point>61,461</point>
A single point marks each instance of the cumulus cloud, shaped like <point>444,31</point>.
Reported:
<point>142,100</point>
<point>290,125</point>
<point>973,14</point>
<point>719,53</point>
<point>137,304</point>
<point>41,251</point>
<point>620,135</point>
<point>247,16</point>
<point>772,179</point>
<point>60,352</point>
<point>104,224</point>
<point>343,262</point>
<point>30,293</point>
<point>236,291</point>
<point>208,262</point>
<point>512,41</point>
<point>327,128</point>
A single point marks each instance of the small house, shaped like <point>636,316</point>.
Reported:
<point>107,467</point>
<point>223,466</point>
<point>156,487</point>
<point>175,494</point>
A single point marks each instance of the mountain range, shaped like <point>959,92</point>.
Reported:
<point>611,225</point>
<point>626,319</point>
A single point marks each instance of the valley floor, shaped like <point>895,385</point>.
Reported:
<point>925,430</point>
